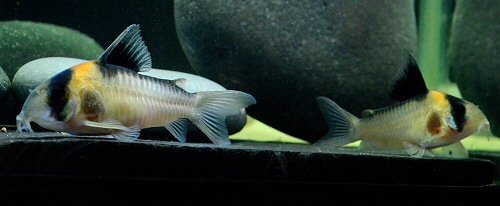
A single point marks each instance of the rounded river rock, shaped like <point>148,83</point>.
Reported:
<point>23,41</point>
<point>286,53</point>
<point>4,85</point>
<point>474,55</point>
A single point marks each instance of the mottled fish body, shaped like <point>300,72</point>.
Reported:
<point>108,96</point>
<point>422,120</point>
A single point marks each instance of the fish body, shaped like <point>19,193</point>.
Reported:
<point>108,96</point>
<point>422,120</point>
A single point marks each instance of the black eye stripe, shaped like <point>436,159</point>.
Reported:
<point>58,96</point>
<point>56,92</point>
<point>457,111</point>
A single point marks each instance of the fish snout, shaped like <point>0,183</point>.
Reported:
<point>484,129</point>
<point>23,124</point>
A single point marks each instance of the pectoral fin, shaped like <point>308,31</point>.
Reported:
<point>120,132</point>
<point>108,124</point>
<point>414,150</point>
<point>420,149</point>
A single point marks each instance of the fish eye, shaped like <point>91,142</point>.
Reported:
<point>451,123</point>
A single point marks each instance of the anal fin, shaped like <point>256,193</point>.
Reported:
<point>178,128</point>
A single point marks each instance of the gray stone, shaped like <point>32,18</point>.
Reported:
<point>4,85</point>
<point>23,41</point>
<point>286,53</point>
<point>474,55</point>
<point>37,71</point>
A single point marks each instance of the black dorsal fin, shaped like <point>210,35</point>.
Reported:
<point>410,84</point>
<point>128,51</point>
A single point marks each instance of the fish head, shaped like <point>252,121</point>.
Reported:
<point>49,105</point>
<point>476,122</point>
<point>466,119</point>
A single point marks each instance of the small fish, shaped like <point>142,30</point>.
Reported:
<point>421,121</point>
<point>108,97</point>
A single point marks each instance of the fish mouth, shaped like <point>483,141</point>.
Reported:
<point>23,124</point>
<point>484,130</point>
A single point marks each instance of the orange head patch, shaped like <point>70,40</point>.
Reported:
<point>438,99</point>
<point>83,74</point>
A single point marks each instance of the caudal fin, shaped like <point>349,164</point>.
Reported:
<point>214,107</point>
<point>342,124</point>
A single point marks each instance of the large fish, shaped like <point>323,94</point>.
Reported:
<point>422,120</point>
<point>108,97</point>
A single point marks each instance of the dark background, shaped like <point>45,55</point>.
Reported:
<point>105,20</point>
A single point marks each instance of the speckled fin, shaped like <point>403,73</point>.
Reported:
<point>341,124</point>
<point>213,109</point>
<point>178,128</point>
<point>411,84</point>
<point>128,51</point>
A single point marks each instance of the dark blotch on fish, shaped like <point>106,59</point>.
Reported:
<point>91,103</point>
<point>457,111</point>
<point>58,94</point>
<point>434,123</point>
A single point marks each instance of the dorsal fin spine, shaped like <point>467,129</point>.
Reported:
<point>128,51</point>
<point>410,84</point>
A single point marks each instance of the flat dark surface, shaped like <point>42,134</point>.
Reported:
<point>55,168</point>
<point>78,190</point>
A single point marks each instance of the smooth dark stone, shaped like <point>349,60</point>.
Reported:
<point>474,55</point>
<point>286,53</point>
<point>104,20</point>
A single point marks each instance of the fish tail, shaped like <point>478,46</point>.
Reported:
<point>214,107</point>
<point>342,124</point>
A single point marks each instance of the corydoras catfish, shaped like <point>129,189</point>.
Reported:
<point>422,119</point>
<point>108,97</point>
